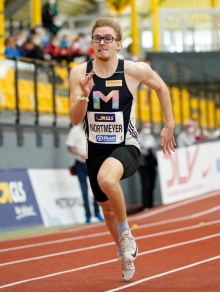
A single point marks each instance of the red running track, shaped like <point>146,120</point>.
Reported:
<point>179,250</point>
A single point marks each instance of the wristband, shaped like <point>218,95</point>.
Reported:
<point>83,98</point>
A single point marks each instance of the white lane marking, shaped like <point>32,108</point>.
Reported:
<point>181,218</point>
<point>57,274</point>
<point>104,245</point>
<point>110,261</point>
<point>164,274</point>
<point>54,241</point>
<point>176,205</point>
<point>107,232</point>
<point>133,217</point>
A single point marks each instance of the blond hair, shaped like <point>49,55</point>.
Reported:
<point>105,21</point>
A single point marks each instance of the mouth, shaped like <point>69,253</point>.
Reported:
<point>101,50</point>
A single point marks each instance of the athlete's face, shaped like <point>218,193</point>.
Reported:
<point>105,48</point>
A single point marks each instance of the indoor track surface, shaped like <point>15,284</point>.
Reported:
<point>179,250</point>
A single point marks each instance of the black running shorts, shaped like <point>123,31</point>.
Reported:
<point>128,155</point>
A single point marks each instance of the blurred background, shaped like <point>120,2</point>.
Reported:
<point>40,41</point>
<point>180,40</point>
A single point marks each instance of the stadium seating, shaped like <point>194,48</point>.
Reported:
<point>185,105</point>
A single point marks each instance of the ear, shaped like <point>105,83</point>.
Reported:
<point>119,45</point>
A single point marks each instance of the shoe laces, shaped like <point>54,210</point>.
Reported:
<point>127,241</point>
<point>125,266</point>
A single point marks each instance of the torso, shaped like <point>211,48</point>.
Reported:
<point>110,118</point>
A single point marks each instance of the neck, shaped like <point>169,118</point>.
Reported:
<point>105,68</point>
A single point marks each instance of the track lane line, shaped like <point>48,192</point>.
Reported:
<point>111,261</point>
<point>164,274</point>
<point>149,213</point>
<point>177,205</point>
<point>57,241</point>
<point>103,245</point>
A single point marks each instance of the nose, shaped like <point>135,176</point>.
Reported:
<point>102,41</point>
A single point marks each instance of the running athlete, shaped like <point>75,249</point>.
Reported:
<point>102,94</point>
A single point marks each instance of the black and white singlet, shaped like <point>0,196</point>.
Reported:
<point>110,117</point>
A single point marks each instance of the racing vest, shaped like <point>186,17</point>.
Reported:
<point>110,118</point>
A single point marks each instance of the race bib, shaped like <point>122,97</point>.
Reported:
<point>106,128</point>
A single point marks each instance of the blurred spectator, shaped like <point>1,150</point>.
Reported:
<point>80,47</point>
<point>187,136</point>
<point>42,33</point>
<point>11,49</point>
<point>49,13</point>
<point>76,144</point>
<point>36,38</point>
<point>216,133</point>
<point>64,42</point>
<point>20,38</point>
<point>148,164</point>
<point>56,51</point>
<point>32,50</point>
<point>201,134</point>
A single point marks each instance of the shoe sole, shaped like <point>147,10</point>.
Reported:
<point>128,279</point>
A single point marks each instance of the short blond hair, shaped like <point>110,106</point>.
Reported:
<point>105,21</point>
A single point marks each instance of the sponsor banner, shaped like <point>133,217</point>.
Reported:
<point>59,196</point>
<point>188,172</point>
<point>18,206</point>
<point>216,163</point>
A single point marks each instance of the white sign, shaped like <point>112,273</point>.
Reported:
<point>189,172</point>
<point>216,163</point>
<point>59,196</point>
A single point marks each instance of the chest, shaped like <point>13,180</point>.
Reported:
<point>109,94</point>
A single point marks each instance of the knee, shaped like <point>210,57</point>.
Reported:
<point>109,215</point>
<point>106,183</point>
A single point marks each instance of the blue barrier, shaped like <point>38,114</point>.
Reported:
<point>18,205</point>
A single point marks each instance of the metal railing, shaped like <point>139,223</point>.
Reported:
<point>44,76</point>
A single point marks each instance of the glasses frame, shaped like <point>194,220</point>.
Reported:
<point>103,38</point>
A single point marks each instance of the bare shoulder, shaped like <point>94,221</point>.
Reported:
<point>78,71</point>
<point>137,70</point>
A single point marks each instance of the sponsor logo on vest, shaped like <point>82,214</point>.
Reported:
<point>106,138</point>
<point>109,83</point>
<point>114,95</point>
<point>105,117</point>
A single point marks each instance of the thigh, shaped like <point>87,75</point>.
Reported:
<point>93,167</point>
<point>129,156</point>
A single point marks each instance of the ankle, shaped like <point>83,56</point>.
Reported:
<point>122,226</point>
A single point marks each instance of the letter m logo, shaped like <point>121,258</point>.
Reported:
<point>114,94</point>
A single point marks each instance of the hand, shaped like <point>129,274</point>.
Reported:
<point>144,152</point>
<point>82,155</point>
<point>167,141</point>
<point>87,83</point>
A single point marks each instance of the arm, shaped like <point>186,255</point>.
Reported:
<point>74,151</point>
<point>147,76</point>
<point>79,86</point>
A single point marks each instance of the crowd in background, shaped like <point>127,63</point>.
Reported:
<point>38,44</point>
<point>192,133</point>
<point>48,41</point>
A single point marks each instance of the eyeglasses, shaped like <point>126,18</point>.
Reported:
<point>108,39</point>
